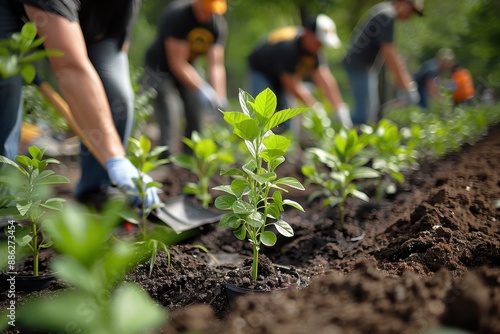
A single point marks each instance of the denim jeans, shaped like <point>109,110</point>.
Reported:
<point>111,65</point>
<point>259,82</point>
<point>10,90</point>
<point>364,86</point>
<point>172,101</point>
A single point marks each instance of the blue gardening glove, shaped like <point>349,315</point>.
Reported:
<point>121,172</point>
<point>208,96</point>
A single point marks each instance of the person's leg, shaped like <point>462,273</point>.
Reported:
<point>167,106</point>
<point>10,91</point>
<point>423,102</point>
<point>193,108</point>
<point>373,98</point>
<point>360,87</point>
<point>112,66</point>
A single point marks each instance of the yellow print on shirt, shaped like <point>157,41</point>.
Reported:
<point>306,66</point>
<point>200,40</point>
<point>282,34</point>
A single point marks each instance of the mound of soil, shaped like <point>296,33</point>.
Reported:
<point>425,259</point>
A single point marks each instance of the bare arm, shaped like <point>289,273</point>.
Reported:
<point>397,66</point>
<point>328,86</point>
<point>217,70</point>
<point>293,85</point>
<point>177,52</point>
<point>79,82</point>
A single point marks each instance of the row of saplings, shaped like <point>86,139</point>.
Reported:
<point>94,265</point>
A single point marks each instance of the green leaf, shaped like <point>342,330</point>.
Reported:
<point>233,118</point>
<point>52,179</point>
<point>24,208</point>
<point>145,144</point>
<point>240,187</point>
<point>20,159</point>
<point>265,106</point>
<point>241,232</point>
<point>242,208</point>
<point>255,219</point>
<point>290,182</point>
<point>359,194</point>
<point>224,202</point>
<point>28,73</point>
<point>364,173</point>
<point>293,204</point>
<point>246,101</point>
<point>283,116</point>
<point>268,238</point>
<point>36,152</point>
<point>225,188</point>
<point>230,220</point>
<point>247,129</point>
<point>284,228</point>
<point>183,160</point>
<point>133,311</point>
<point>205,148</point>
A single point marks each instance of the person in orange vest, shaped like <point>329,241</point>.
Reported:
<point>463,85</point>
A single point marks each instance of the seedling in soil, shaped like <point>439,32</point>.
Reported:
<point>345,166</point>
<point>26,195</point>
<point>254,197</point>
<point>204,162</point>
<point>94,266</point>
<point>389,156</point>
<point>145,160</point>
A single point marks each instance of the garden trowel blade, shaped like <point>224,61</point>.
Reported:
<point>182,215</point>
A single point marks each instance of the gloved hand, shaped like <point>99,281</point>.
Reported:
<point>412,95</point>
<point>208,96</point>
<point>344,116</point>
<point>121,172</point>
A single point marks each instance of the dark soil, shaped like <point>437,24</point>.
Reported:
<point>429,257</point>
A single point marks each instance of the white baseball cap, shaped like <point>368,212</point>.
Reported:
<point>326,31</point>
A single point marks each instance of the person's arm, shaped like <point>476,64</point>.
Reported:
<point>217,70</point>
<point>177,52</point>
<point>328,86</point>
<point>293,84</point>
<point>83,90</point>
<point>79,82</point>
<point>397,67</point>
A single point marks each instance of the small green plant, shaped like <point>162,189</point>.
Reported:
<point>254,197</point>
<point>389,156</point>
<point>205,161</point>
<point>18,53</point>
<point>94,265</point>
<point>345,166</point>
<point>27,196</point>
<point>145,160</point>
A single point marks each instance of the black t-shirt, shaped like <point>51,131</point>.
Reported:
<point>179,22</point>
<point>98,18</point>
<point>281,52</point>
<point>368,36</point>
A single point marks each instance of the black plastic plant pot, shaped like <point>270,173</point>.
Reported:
<point>234,291</point>
<point>25,283</point>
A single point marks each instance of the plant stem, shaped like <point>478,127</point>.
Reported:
<point>35,249</point>
<point>255,262</point>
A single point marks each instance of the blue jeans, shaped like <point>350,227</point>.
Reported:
<point>259,82</point>
<point>111,65</point>
<point>364,85</point>
<point>10,91</point>
<point>424,97</point>
<point>171,102</point>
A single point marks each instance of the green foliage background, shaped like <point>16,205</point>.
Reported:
<point>470,27</point>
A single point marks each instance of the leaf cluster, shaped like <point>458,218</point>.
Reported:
<point>254,196</point>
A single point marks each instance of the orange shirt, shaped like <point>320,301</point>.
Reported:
<point>464,85</point>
